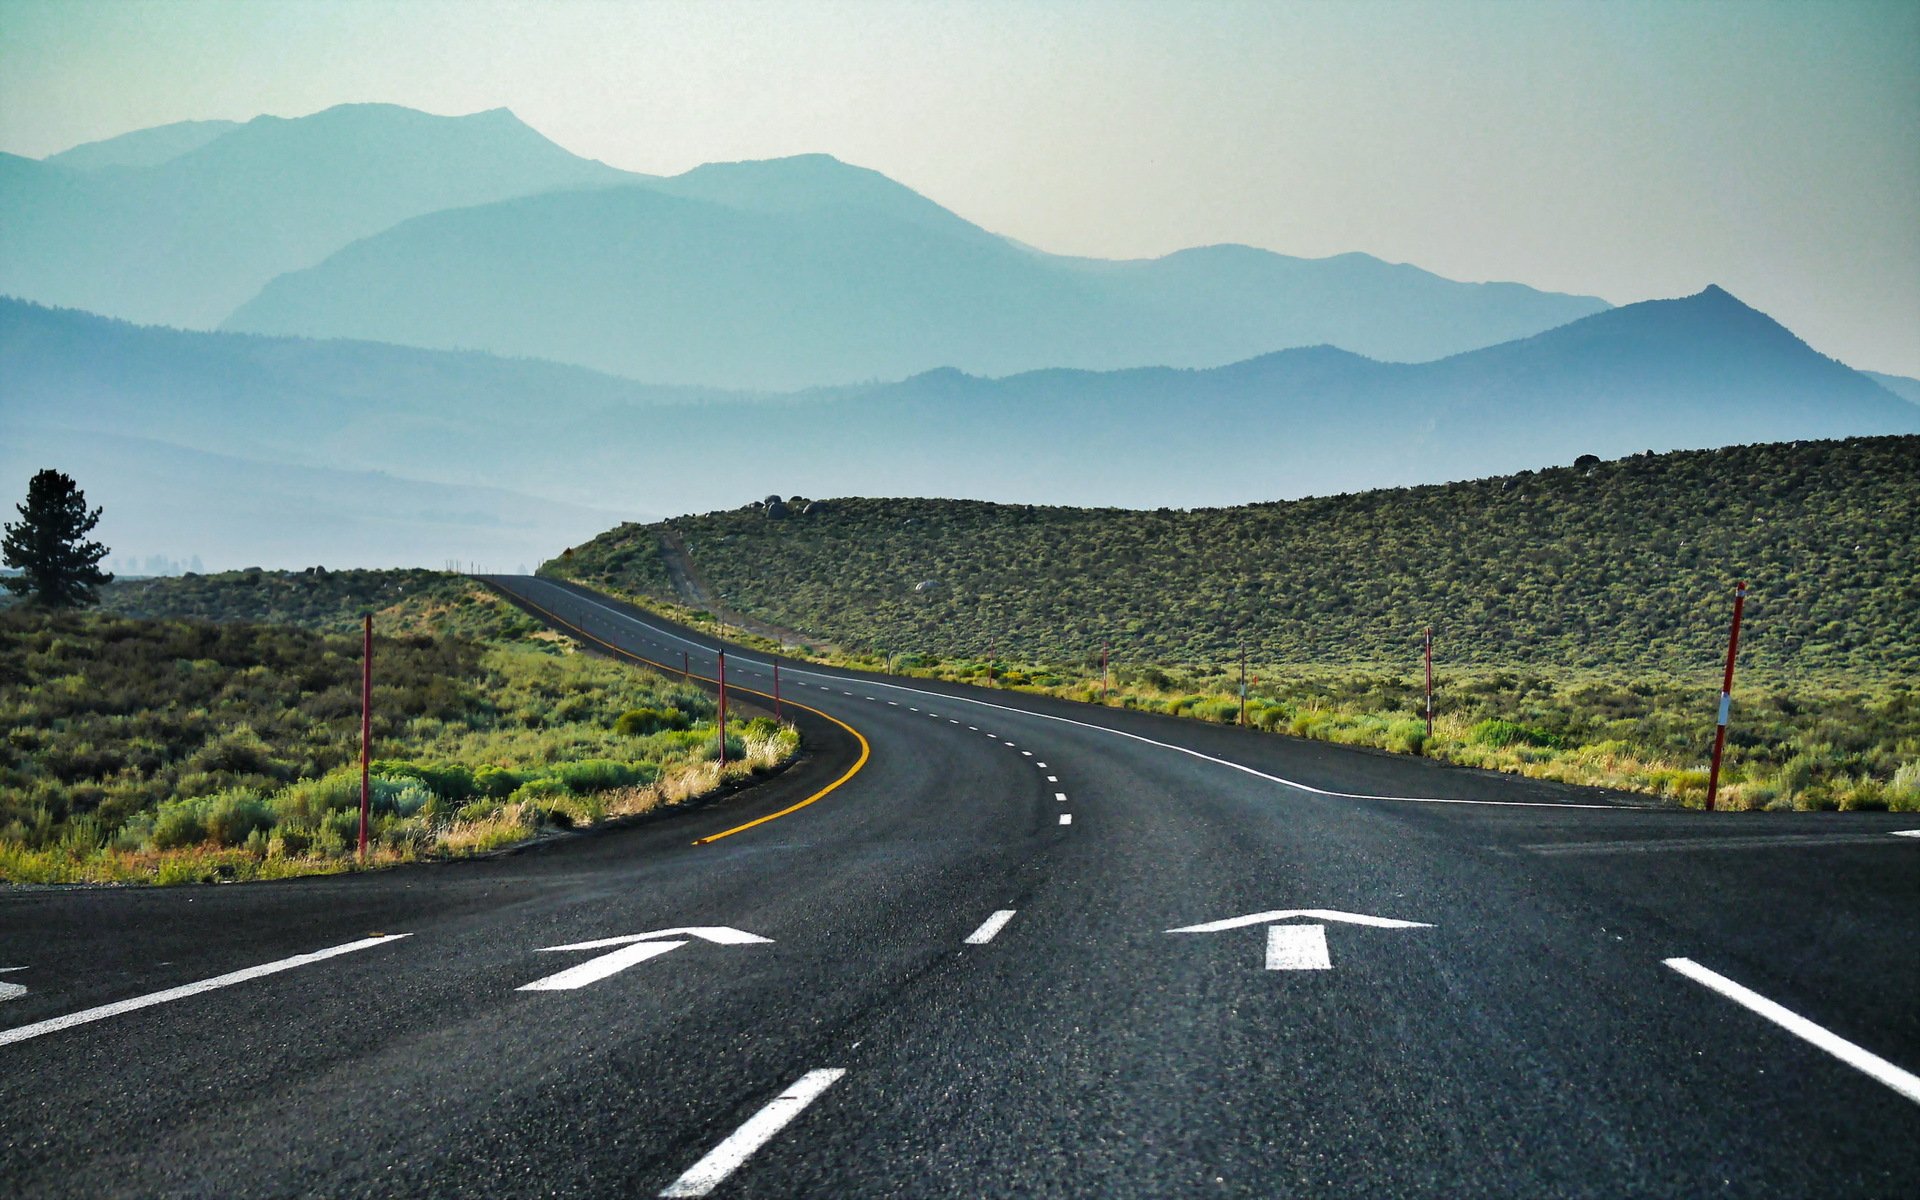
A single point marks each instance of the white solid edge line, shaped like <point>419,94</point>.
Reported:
<point>1066,818</point>
<point>992,925</point>
<point>1857,1057</point>
<point>55,1024</point>
<point>1304,787</point>
<point>726,1158</point>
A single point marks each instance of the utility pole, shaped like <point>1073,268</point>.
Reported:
<point>1429,681</point>
<point>720,658</point>
<point>366,727</point>
<point>1726,696</point>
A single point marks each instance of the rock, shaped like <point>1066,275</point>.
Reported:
<point>927,585</point>
<point>1587,460</point>
<point>776,510</point>
<point>814,508</point>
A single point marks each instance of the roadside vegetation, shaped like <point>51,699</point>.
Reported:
<point>159,749</point>
<point>402,601</point>
<point>1580,613</point>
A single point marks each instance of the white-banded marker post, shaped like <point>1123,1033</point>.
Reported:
<point>1726,696</point>
<point>366,726</point>
<point>720,662</point>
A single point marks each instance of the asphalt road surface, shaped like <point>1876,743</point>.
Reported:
<point>1026,948</point>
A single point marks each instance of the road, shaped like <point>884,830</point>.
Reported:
<point>971,968</point>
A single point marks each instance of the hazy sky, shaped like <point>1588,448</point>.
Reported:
<point>1627,150</point>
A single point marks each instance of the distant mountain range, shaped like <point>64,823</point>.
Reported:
<point>179,225</point>
<point>1899,385</point>
<point>378,222</point>
<point>1697,372</point>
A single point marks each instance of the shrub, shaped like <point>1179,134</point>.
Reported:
<point>178,825</point>
<point>640,722</point>
<point>235,816</point>
<point>1501,734</point>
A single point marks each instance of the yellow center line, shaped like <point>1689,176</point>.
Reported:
<point>866,751</point>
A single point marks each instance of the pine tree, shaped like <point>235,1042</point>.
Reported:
<point>56,567</point>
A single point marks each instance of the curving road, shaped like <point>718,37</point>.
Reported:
<point>1026,948</point>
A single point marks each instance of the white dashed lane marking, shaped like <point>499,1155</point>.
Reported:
<point>726,1158</point>
<point>993,925</point>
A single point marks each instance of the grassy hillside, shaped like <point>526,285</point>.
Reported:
<point>1625,564</point>
<point>146,749</point>
<point>1580,612</point>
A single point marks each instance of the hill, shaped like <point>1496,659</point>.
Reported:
<point>161,497</point>
<point>142,147</point>
<point>1691,373</point>
<point>807,271</point>
<point>155,228</point>
<point>1624,565</point>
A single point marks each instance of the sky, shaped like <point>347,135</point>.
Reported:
<point>1626,150</point>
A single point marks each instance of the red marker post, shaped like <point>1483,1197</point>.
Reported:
<point>1243,683</point>
<point>1103,672</point>
<point>720,658</point>
<point>366,728</point>
<point>776,693</point>
<point>1429,681</point>
<point>1726,696</point>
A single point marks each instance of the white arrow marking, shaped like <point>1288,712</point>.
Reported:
<point>1297,948</point>
<point>596,969</point>
<point>637,948</point>
<point>722,934</point>
<point>1318,914</point>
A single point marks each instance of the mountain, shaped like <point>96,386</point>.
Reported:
<point>131,228</point>
<point>1697,372</point>
<point>427,415</point>
<point>232,512</point>
<point>142,147</point>
<point>1899,385</point>
<point>806,271</point>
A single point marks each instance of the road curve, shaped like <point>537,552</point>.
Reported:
<point>1027,948</point>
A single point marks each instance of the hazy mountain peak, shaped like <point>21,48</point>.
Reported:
<point>273,195</point>
<point>143,147</point>
<point>801,183</point>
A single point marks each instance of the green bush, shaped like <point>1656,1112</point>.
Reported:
<point>641,722</point>
<point>231,818</point>
<point>1501,734</point>
<point>178,825</point>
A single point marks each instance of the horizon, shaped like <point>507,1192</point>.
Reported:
<point>1759,148</point>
